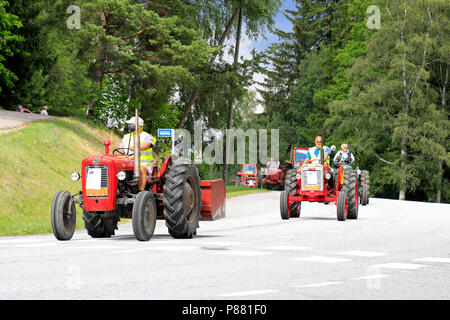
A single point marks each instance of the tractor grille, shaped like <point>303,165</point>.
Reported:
<point>312,179</point>
<point>103,190</point>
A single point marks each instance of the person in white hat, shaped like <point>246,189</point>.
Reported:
<point>147,142</point>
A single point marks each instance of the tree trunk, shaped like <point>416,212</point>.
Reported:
<point>188,108</point>
<point>439,183</point>
<point>230,105</point>
<point>97,80</point>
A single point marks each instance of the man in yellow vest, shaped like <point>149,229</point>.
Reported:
<point>147,142</point>
<point>313,154</point>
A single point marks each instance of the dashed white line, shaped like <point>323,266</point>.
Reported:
<point>286,248</point>
<point>362,253</point>
<point>433,259</point>
<point>371,277</point>
<point>247,293</point>
<point>243,253</point>
<point>404,266</point>
<point>319,284</point>
<point>173,248</point>
<point>322,259</point>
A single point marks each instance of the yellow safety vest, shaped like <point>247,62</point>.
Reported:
<point>146,155</point>
<point>316,159</point>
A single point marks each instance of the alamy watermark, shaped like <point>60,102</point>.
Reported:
<point>215,144</point>
<point>74,21</point>
<point>373,17</point>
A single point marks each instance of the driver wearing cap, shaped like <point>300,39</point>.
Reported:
<point>147,142</point>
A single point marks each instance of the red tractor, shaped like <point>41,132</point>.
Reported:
<point>320,183</point>
<point>248,177</point>
<point>174,192</point>
<point>298,154</point>
<point>272,177</point>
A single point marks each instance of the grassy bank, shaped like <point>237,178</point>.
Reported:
<point>234,191</point>
<point>37,162</point>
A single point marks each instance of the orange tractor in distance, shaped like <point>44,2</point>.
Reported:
<point>110,191</point>
<point>248,177</point>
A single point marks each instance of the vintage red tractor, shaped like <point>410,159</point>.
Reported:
<point>174,192</point>
<point>272,177</point>
<point>321,183</point>
<point>298,155</point>
<point>248,177</point>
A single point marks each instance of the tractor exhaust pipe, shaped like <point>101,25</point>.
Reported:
<point>137,146</point>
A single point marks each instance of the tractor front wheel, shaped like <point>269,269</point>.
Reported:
<point>63,216</point>
<point>182,200</point>
<point>144,216</point>
<point>351,188</point>
<point>342,206</point>
<point>284,205</point>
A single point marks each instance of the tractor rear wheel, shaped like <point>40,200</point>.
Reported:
<point>100,226</point>
<point>182,200</point>
<point>290,183</point>
<point>342,206</point>
<point>365,185</point>
<point>238,180</point>
<point>351,188</point>
<point>284,205</point>
<point>63,216</point>
<point>144,216</point>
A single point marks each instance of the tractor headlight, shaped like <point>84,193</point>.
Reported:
<point>121,175</point>
<point>75,176</point>
<point>327,175</point>
<point>358,171</point>
<point>298,176</point>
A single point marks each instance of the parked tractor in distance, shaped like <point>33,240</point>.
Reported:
<point>272,177</point>
<point>320,183</point>
<point>174,192</point>
<point>248,177</point>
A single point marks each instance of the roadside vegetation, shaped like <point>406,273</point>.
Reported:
<point>37,162</point>
<point>235,191</point>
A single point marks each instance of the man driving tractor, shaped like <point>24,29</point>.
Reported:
<point>147,143</point>
<point>313,154</point>
<point>343,154</point>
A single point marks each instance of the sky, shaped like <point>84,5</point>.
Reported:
<point>261,44</point>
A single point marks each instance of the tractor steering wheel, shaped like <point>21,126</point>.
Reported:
<point>117,150</point>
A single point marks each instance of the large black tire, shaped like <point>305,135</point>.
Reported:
<point>290,183</point>
<point>342,206</point>
<point>365,186</point>
<point>63,216</point>
<point>100,226</point>
<point>144,216</point>
<point>283,205</point>
<point>182,200</point>
<point>351,188</point>
<point>260,179</point>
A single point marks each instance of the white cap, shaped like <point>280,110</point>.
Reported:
<point>133,120</point>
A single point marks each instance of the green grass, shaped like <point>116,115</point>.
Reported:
<point>36,162</point>
<point>235,191</point>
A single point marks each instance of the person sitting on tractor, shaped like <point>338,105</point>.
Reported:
<point>272,164</point>
<point>147,142</point>
<point>313,154</point>
<point>342,156</point>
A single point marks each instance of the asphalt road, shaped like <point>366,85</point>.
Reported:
<point>22,116</point>
<point>395,250</point>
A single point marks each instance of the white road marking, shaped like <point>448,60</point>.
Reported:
<point>286,248</point>
<point>31,240</point>
<point>173,248</point>
<point>319,284</point>
<point>243,253</point>
<point>362,253</point>
<point>433,259</point>
<point>373,276</point>
<point>220,243</point>
<point>405,266</point>
<point>247,293</point>
<point>322,259</point>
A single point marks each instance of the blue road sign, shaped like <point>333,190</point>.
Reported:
<point>167,133</point>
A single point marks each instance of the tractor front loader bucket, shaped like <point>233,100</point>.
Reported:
<point>213,200</point>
